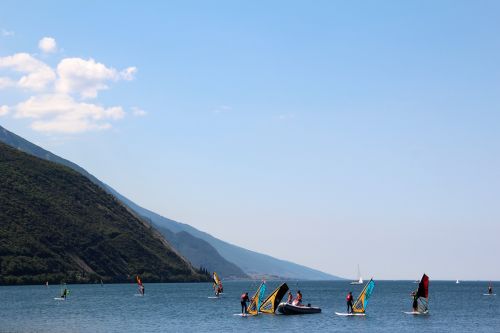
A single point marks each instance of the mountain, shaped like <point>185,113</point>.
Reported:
<point>197,251</point>
<point>56,225</point>
<point>250,263</point>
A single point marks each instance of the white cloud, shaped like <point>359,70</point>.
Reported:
<point>87,77</point>
<point>47,45</point>
<point>222,109</point>
<point>61,113</point>
<point>57,104</point>
<point>4,109</point>
<point>38,74</point>
<point>7,33</point>
<point>138,112</point>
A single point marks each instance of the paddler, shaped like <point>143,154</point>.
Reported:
<point>349,299</point>
<point>244,300</point>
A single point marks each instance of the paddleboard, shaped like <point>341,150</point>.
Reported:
<point>415,313</point>
<point>59,298</point>
<point>213,297</point>
<point>349,314</point>
<point>489,294</point>
<point>241,314</point>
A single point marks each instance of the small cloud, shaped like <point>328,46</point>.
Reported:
<point>138,112</point>
<point>4,109</point>
<point>286,116</point>
<point>222,109</point>
<point>47,45</point>
<point>7,33</point>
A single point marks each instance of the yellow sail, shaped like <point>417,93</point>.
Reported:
<point>270,304</point>
<point>253,307</point>
<point>217,281</point>
<point>362,300</point>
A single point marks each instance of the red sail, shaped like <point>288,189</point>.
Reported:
<point>423,287</point>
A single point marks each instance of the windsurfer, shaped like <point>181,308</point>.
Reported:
<point>64,293</point>
<point>415,301</point>
<point>244,301</point>
<point>349,300</point>
<point>490,289</point>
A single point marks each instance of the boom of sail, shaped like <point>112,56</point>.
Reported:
<point>256,301</point>
<point>362,300</point>
<point>270,304</point>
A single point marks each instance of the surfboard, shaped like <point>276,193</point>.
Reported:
<point>213,297</point>
<point>59,298</point>
<point>349,314</point>
<point>489,294</point>
<point>415,313</point>
<point>241,314</point>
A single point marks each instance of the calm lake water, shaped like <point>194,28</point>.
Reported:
<point>187,308</point>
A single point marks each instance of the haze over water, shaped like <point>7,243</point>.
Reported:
<point>186,307</point>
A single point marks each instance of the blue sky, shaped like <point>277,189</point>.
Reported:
<point>351,132</point>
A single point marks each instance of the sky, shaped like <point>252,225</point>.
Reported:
<point>327,133</point>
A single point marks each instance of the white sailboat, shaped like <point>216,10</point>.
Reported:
<point>457,282</point>
<point>360,279</point>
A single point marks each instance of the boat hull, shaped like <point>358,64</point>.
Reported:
<point>289,309</point>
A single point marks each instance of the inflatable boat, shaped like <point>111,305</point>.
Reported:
<point>289,309</point>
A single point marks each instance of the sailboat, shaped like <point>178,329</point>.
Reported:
<point>421,296</point>
<point>256,300</point>
<point>457,282</point>
<point>270,304</point>
<point>359,307</point>
<point>360,279</point>
<point>217,285</point>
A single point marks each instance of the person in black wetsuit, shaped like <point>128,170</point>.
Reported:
<point>244,301</point>
<point>349,300</point>
<point>415,302</point>
<point>64,293</point>
<point>490,289</point>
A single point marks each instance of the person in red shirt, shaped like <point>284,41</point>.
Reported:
<point>349,300</point>
<point>244,301</point>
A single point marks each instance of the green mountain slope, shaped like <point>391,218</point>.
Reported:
<point>57,225</point>
<point>250,263</point>
<point>197,251</point>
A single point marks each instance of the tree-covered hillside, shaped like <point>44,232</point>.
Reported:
<point>56,225</point>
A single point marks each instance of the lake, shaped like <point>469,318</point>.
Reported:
<point>187,308</point>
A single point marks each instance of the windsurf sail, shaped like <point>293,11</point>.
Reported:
<point>217,282</point>
<point>362,300</point>
<point>256,301</point>
<point>270,304</point>
<point>422,294</point>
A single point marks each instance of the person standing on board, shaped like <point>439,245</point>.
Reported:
<point>349,299</point>
<point>415,301</point>
<point>490,289</point>
<point>244,300</point>
<point>64,293</point>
